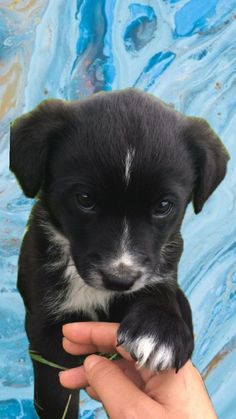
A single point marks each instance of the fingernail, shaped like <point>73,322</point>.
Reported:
<point>120,342</point>
<point>74,324</point>
<point>64,327</point>
<point>134,356</point>
<point>178,366</point>
<point>91,361</point>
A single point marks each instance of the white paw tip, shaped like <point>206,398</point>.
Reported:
<point>156,357</point>
<point>162,359</point>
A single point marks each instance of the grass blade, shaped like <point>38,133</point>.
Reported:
<point>39,358</point>
<point>67,407</point>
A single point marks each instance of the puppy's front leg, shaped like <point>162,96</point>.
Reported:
<point>51,400</point>
<point>157,331</point>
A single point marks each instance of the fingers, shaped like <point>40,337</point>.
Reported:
<point>184,389</point>
<point>124,391</point>
<point>92,394</point>
<point>91,337</point>
<point>75,378</point>
<point>92,333</point>
<point>77,349</point>
<point>119,395</point>
<point>167,386</point>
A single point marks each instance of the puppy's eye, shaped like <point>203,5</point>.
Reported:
<point>163,208</point>
<point>85,201</point>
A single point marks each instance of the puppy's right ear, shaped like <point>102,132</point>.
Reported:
<point>30,137</point>
<point>209,158</point>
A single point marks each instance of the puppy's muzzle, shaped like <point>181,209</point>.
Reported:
<point>120,279</point>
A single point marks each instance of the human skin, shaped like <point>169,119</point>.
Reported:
<point>125,390</point>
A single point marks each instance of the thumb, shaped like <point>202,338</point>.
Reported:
<point>118,394</point>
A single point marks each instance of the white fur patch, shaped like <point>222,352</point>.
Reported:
<point>82,297</point>
<point>130,261</point>
<point>77,296</point>
<point>125,257</point>
<point>125,237</point>
<point>59,243</point>
<point>128,163</point>
<point>163,357</point>
<point>150,354</point>
<point>143,348</point>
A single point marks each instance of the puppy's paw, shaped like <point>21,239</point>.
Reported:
<point>158,341</point>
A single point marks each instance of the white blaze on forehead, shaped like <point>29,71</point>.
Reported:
<point>128,163</point>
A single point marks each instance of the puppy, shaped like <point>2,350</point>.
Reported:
<point>112,175</point>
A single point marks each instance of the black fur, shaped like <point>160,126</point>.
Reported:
<point>64,149</point>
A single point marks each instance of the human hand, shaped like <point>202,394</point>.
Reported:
<point>124,390</point>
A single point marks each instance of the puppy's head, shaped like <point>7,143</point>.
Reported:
<point>116,172</point>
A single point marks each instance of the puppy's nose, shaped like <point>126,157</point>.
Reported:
<point>121,279</point>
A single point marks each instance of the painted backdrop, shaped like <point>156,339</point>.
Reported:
<point>183,51</point>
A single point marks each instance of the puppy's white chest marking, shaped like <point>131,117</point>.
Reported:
<point>81,297</point>
<point>76,295</point>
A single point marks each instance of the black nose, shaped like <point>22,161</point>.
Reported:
<point>120,280</point>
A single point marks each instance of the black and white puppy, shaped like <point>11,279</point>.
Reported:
<point>113,175</point>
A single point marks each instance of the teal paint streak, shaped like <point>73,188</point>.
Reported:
<point>154,69</point>
<point>95,41</point>
<point>193,16</point>
<point>141,27</point>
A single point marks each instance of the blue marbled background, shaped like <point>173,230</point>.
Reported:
<point>183,51</point>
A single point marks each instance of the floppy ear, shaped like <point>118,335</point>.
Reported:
<point>30,137</point>
<point>210,159</point>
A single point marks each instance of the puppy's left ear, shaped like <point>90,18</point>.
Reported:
<point>210,159</point>
<point>30,139</point>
